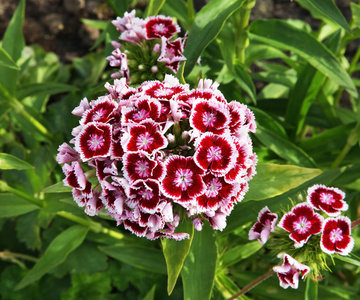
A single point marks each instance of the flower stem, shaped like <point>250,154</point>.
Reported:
<point>241,22</point>
<point>253,284</point>
<point>355,223</point>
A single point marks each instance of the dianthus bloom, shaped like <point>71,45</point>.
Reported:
<point>327,199</point>
<point>148,47</point>
<point>154,155</point>
<point>266,224</point>
<point>288,272</point>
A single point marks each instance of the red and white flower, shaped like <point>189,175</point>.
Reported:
<point>329,200</point>
<point>336,236</point>
<point>94,140</point>
<point>160,26</point>
<point>144,194</point>
<point>171,53</point>
<point>183,179</point>
<point>266,224</point>
<point>302,222</point>
<point>288,272</point>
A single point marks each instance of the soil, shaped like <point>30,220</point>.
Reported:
<point>56,24</point>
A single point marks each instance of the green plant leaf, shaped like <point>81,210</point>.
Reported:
<point>154,7</point>
<point>355,9</point>
<point>7,61</point>
<point>326,10</point>
<point>10,162</point>
<point>175,253</point>
<point>151,294</point>
<point>12,205</point>
<point>177,9</point>
<point>311,290</point>
<point>284,148</point>
<point>272,180</point>
<point>244,80</point>
<point>55,254</point>
<point>142,257</point>
<point>97,24</point>
<point>207,24</point>
<point>349,260</point>
<point>57,188</point>
<point>281,34</point>
<point>198,272</point>
<point>48,88</point>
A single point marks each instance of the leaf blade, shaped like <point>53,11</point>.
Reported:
<point>10,162</point>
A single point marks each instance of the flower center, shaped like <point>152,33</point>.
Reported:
<point>214,153</point>
<point>213,188</point>
<point>336,235</point>
<point>163,92</point>
<point>146,194</point>
<point>98,115</point>
<point>160,28</point>
<point>144,141</point>
<point>302,225</point>
<point>183,178</point>
<point>141,115</point>
<point>327,198</point>
<point>209,118</point>
<point>142,168</point>
<point>95,142</point>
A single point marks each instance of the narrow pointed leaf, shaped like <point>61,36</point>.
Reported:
<point>281,34</point>
<point>141,257</point>
<point>10,162</point>
<point>207,24</point>
<point>57,188</point>
<point>7,61</point>
<point>154,7</point>
<point>49,88</point>
<point>12,205</point>
<point>55,254</point>
<point>311,290</point>
<point>198,273</point>
<point>175,253</point>
<point>151,294</point>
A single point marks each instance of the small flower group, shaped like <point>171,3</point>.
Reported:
<point>147,47</point>
<point>302,222</point>
<point>158,146</point>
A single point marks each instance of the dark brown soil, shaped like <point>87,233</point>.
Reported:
<point>56,24</point>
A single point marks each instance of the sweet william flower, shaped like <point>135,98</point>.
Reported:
<point>301,222</point>
<point>327,199</point>
<point>160,26</point>
<point>336,237</point>
<point>288,272</point>
<point>266,224</point>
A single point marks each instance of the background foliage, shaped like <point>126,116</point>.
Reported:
<point>301,84</point>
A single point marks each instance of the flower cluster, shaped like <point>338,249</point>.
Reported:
<point>147,154</point>
<point>320,214</point>
<point>146,47</point>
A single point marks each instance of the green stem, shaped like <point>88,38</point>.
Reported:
<point>241,22</point>
<point>10,255</point>
<point>253,284</point>
<point>93,226</point>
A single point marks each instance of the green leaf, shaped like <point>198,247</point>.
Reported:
<point>265,120</point>
<point>281,34</point>
<point>142,257</point>
<point>55,254</point>
<point>154,7</point>
<point>284,148</point>
<point>355,9</point>
<point>198,272</point>
<point>12,205</point>
<point>272,180</point>
<point>97,24</point>
<point>10,162</point>
<point>151,294</point>
<point>349,260</point>
<point>175,253</point>
<point>207,24</point>
<point>28,230</point>
<point>238,253</point>
<point>177,9</point>
<point>57,188</point>
<point>7,61</point>
<point>247,211</point>
<point>326,10</point>
<point>311,290</point>
<point>48,88</point>
<point>244,80</point>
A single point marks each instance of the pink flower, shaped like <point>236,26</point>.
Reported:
<point>145,195</point>
<point>183,179</point>
<point>288,272</point>
<point>302,222</point>
<point>266,224</point>
<point>216,153</point>
<point>119,59</point>
<point>66,154</point>
<point>101,112</point>
<point>94,140</point>
<point>336,236</point>
<point>329,200</point>
<point>171,53</point>
<point>160,26</point>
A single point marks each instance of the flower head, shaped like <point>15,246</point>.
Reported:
<point>301,222</point>
<point>288,272</point>
<point>329,200</point>
<point>336,236</point>
<point>266,224</point>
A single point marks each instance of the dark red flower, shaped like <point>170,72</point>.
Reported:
<point>266,224</point>
<point>159,26</point>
